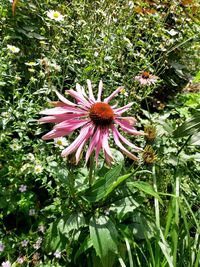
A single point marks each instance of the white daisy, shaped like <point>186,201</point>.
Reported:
<point>60,142</point>
<point>13,49</point>
<point>55,15</point>
<point>38,169</point>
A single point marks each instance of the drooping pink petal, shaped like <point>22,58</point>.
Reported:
<point>72,124</point>
<point>127,127</point>
<point>100,91</point>
<point>84,135</point>
<point>64,100</point>
<point>63,131</point>
<point>93,143</point>
<point>105,146</point>
<point>119,144</point>
<point>127,142</point>
<point>121,110</point>
<point>107,100</point>
<point>61,110</point>
<point>80,99</point>
<point>98,146</point>
<point>61,117</point>
<point>91,96</point>
<point>80,90</point>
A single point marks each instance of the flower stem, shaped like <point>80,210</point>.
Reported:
<point>91,170</point>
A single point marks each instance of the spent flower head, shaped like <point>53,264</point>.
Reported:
<point>96,118</point>
<point>55,15</point>
<point>13,49</point>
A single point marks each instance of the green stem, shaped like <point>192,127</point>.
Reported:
<point>157,215</point>
<point>91,170</point>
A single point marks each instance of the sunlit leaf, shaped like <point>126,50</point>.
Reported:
<point>104,239</point>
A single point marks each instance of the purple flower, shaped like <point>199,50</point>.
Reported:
<point>2,247</point>
<point>22,188</point>
<point>21,260</point>
<point>24,243</point>
<point>57,254</point>
<point>97,120</point>
<point>6,264</point>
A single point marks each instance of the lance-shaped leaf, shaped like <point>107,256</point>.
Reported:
<point>104,239</point>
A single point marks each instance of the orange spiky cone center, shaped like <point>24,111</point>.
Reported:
<point>101,114</point>
<point>145,75</point>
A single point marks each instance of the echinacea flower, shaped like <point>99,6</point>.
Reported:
<point>13,49</point>
<point>55,15</point>
<point>146,78</point>
<point>97,120</point>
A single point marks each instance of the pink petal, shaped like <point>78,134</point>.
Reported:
<point>127,142</point>
<point>60,118</point>
<point>93,143</point>
<point>64,100</point>
<point>79,98</point>
<point>100,91</point>
<point>105,146</point>
<point>61,110</point>
<point>127,127</point>
<point>91,96</point>
<point>121,110</point>
<point>63,131</point>
<point>119,144</point>
<point>84,135</point>
<point>106,100</point>
<point>72,124</point>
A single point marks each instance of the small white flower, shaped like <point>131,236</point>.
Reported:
<point>38,243</point>
<point>41,228</point>
<point>5,114</point>
<point>2,247</point>
<point>30,157</point>
<point>55,67</point>
<point>15,147</point>
<point>38,169</point>
<point>31,212</point>
<point>13,49</point>
<point>60,142</point>
<point>31,63</point>
<point>24,243</point>
<point>55,15</point>
<point>57,254</point>
<point>96,54</point>
<point>23,188</point>
<point>31,70</point>
<point>6,264</point>
<point>18,78</point>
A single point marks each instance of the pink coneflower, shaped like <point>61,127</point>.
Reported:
<point>97,120</point>
<point>146,78</point>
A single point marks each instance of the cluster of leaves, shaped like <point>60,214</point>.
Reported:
<point>112,221</point>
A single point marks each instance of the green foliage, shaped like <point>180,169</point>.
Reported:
<point>130,214</point>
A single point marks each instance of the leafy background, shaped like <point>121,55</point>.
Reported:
<point>144,214</point>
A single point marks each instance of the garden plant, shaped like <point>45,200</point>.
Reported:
<point>100,133</point>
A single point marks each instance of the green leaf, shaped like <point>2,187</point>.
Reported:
<point>85,245</point>
<point>59,231</point>
<point>146,188</point>
<point>189,127</point>
<point>104,238</point>
<point>99,190</point>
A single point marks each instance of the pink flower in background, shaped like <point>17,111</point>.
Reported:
<point>96,118</point>
<point>6,264</point>
<point>146,78</point>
